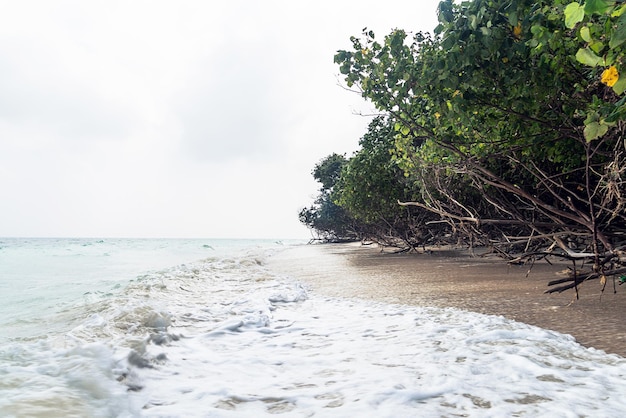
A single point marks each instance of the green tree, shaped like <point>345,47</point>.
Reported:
<point>372,183</point>
<point>327,219</point>
<point>499,99</point>
<point>600,26</point>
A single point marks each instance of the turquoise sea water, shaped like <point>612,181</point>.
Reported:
<point>202,328</point>
<point>44,280</point>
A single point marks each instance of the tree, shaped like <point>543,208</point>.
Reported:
<point>327,219</point>
<point>371,182</point>
<point>601,27</point>
<point>370,185</point>
<point>499,100</point>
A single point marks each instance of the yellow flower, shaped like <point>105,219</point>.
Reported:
<point>437,115</point>
<point>517,30</point>
<point>610,76</point>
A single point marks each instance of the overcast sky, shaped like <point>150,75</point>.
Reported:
<point>176,118</point>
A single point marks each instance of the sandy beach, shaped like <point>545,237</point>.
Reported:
<point>456,279</point>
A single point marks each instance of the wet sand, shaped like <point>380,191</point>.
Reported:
<point>456,279</point>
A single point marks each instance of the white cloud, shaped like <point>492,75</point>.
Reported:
<point>162,118</point>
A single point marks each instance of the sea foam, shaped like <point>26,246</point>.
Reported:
<point>228,337</point>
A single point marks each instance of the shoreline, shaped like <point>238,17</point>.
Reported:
<point>454,278</point>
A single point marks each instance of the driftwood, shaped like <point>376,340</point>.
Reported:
<point>600,266</point>
<point>586,245</point>
<point>577,279</point>
<point>576,215</point>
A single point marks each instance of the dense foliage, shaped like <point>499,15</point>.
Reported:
<point>504,127</point>
<point>330,221</point>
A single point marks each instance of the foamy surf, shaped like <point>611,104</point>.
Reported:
<point>332,357</point>
<point>227,337</point>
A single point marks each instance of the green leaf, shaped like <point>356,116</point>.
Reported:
<point>619,11</point>
<point>585,34</point>
<point>618,110</point>
<point>597,6</point>
<point>619,33</point>
<point>595,130</point>
<point>588,57</point>
<point>574,13</point>
<point>620,86</point>
<point>473,22</point>
<point>609,58</point>
<point>596,47</point>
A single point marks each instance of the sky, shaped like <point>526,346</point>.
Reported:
<point>187,118</point>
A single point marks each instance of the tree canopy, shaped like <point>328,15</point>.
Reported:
<point>504,127</point>
<point>329,220</point>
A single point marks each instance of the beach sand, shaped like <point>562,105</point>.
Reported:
<point>447,278</point>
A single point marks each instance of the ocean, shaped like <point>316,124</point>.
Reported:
<point>205,328</point>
